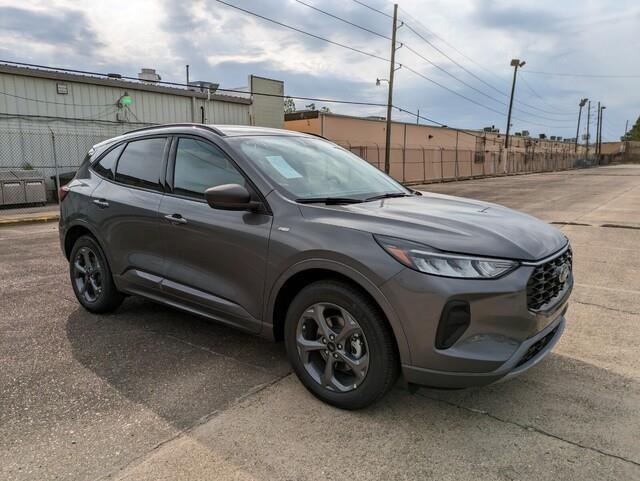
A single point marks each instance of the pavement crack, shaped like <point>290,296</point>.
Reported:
<point>607,308</point>
<point>199,422</point>
<point>211,351</point>
<point>528,427</point>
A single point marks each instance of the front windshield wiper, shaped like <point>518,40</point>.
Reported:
<point>328,200</point>
<point>388,195</point>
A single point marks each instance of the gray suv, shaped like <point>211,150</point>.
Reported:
<point>292,237</point>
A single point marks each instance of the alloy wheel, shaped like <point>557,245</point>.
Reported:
<point>332,347</point>
<point>88,274</point>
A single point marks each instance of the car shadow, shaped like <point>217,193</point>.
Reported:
<point>180,366</point>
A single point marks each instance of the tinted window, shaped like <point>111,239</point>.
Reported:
<point>106,166</point>
<point>141,163</point>
<point>200,165</point>
<point>309,167</point>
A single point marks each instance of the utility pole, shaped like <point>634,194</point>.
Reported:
<point>588,122</point>
<point>626,127</point>
<point>600,136</point>
<point>392,71</point>
<point>515,63</point>
<point>187,69</point>
<point>418,117</point>
<point>598,131</point>
<point>582,104</point>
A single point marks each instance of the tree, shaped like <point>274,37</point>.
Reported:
<point>634,132</point>
<point>289,105</point>
<point>310,106</point>
<point>326,110</point>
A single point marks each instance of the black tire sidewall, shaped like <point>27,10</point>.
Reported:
<point>110,298</point>
<point>383,365</point>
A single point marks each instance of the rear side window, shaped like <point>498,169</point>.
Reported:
<point>106,166</point>
<point>140,164</point>
<point>200,165</point>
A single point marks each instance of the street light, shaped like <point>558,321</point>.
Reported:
<point>582,103</point>
<point>379,80</point>
<point>515,63</point>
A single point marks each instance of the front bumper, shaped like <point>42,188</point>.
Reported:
<point>504,337</point>
<point>516,365</point>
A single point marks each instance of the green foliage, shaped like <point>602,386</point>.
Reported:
<point>634,132</point>
<point>289,105</point>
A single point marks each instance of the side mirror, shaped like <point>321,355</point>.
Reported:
<point>230,197</point>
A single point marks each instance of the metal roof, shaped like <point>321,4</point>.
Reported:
<point>119,83</point>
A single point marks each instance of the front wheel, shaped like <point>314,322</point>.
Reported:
<point>340,345</point>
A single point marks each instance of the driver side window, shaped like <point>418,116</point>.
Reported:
<point>200,165</point>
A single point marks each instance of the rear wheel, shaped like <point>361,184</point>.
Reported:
<point>91,277</point>
<point>340,345</point>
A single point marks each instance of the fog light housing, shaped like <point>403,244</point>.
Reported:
<point>455,319</point>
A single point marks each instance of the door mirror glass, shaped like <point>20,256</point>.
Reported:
<point>230,197</point>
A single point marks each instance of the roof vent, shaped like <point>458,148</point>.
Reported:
<point>149,75</point>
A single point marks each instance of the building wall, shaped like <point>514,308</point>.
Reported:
<point>48,131</point>
<point>355,131</point>
<point>29,96</point>
<point>267,110</point>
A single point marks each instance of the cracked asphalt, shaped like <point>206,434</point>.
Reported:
<point>149,393</point>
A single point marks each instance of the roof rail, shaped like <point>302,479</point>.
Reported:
<point>179,124</point>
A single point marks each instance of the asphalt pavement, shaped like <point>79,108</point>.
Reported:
<point>150,393</point>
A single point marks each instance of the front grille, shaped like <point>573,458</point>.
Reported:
<point>545,283</point>
<point>535,348</point>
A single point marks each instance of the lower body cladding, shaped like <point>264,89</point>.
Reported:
<point>464,333</point>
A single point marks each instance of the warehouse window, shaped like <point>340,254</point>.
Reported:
<point>140,164</point>
<point>200,165</point>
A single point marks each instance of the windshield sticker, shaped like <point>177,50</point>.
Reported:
<point>283,167</point>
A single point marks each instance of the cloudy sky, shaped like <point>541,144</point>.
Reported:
<point>599,38</point>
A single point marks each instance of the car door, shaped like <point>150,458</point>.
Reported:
<point>215,260</point>
<point>124,209</point>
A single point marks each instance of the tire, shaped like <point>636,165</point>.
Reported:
<point>91,277</point>
<point>362,351</point>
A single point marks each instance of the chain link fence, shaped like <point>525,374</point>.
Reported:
<point>417,165</point>
<point>35,159</point>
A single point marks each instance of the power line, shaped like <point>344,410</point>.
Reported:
<point>372,55</point>
<point>372,8</point>
<point>344,20</point>
<point>452,47</point>
<point>415,32</point>
<point>313,35</point>
<point>52,102</point>
<point>532,114</point>
<point>415,52</point>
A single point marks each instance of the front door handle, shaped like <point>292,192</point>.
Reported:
<point>103,204</point>
<point>175,219</point>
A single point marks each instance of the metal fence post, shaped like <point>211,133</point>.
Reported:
<point>55,164</point>
<point>424,167</point>
<point>441,167</point>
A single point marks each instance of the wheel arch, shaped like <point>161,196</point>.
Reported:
<point>77,230</point>
<point>304,273</point>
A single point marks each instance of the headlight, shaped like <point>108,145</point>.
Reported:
<point>432,261</point>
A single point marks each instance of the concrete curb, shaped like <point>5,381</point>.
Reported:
<point>30,219</point>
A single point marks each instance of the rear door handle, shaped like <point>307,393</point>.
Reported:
<point>103,204</point>
<point>175,219</point>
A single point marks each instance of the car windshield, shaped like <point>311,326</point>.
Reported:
<point>311,169</point>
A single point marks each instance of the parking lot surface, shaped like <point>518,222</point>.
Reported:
<point>149,393</point>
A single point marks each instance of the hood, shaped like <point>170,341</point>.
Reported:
<point>448,223</point>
